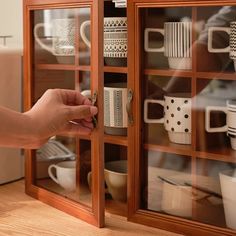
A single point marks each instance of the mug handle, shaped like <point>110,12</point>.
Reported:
<point>82,33</point>
<point>208,119</point>
<point>210,39</point>
<point>51,174</point>
<point>152,121</point>
<point>36,29</point>
<point>146,40</point>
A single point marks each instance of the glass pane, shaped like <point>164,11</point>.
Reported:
<point>213,26</point>
<point>214,113</point>
<point>163,186</point>
<point>159,27</point>
<point>115,174</point>
<point>216,182</point>
<point>57,36</point>
<point>167,116</point>
<point>50,79</point>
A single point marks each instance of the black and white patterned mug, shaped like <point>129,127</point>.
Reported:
<point>176,117</point>
<point>232,41</point>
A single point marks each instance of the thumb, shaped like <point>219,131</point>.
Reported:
<point>81,112</point>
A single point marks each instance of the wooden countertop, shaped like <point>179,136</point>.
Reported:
<point>23,215</point>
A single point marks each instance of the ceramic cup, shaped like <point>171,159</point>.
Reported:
<point>176,117</point>
<point>232,41</point>
<point>177,200</point>
<point>65,174</point>
<point>63,37</point>
<point>177,44</point>
<point>115,40</point>
<point>228,189</point>
<point>116,179</point>
<point>229,127</point>
<point>115,114</point>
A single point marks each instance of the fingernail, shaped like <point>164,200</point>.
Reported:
<point>93,110</point>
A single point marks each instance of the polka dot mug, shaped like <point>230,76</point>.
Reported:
<point>176,117</point>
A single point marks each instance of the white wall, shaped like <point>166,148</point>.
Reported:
<point>11,21</point>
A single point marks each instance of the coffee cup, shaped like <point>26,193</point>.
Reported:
<point>232,42</point>
<point>228,190</point>
<point>65,174</point>
<point>115,173</point>
<point>115,40</point>
<point>230,124</point>
<point>63,37</point>
<point>115,114</point>
<point>176,117</point>
<point>177,44</point>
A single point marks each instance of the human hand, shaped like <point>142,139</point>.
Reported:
<point>60,112</point>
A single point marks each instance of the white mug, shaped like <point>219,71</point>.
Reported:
<point>232,40</point>
<point>228,189</point>
<point>230,125</point>
<point>177,44</point>
<point>115,40</point>
<point>115,174</point>
<point>65,174</point>
<point>115,114</point>
<point>176,117</point>
<point>63,37</point>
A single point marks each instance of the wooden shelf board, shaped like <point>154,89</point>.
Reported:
<point>62,67</point>
<point>116,207</point>
<point>113,69</point>
<point>171,148</point>
<point>119,140</point>
<point>113,139</point>
<point>218,75</point>
<point>169,72</point>
<point>223,154</point>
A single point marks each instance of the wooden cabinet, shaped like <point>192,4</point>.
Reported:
<point>178,75</point>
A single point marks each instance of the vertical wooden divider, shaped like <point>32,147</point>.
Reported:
<point>194,105</point>
<point>77,79</point>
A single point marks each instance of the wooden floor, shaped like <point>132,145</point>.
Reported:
<point>23,215</point>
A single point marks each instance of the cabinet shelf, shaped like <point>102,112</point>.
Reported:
<point>61,67</point>
<point>171,148</point>
<point>112,139</point>
<point>189,74</point>
<point>225,154</point>
<point>113,69</point>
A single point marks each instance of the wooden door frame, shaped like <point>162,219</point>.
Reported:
<point>95,215</point>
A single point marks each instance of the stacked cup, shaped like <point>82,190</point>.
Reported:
<point>177,44</point>
<point>230,126</point>
<point>115,40</point>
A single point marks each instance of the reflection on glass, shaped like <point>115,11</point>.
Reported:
<point>56,34</point>
<point>56,165</point>
<point>50,79</point>
<point>215,111</point>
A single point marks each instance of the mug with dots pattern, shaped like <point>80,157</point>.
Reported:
<point>176,117</point>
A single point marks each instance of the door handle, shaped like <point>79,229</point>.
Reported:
<point>129,106</point>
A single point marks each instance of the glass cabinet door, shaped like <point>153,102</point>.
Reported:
<point>65,170</point>
<point>184,129</point>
